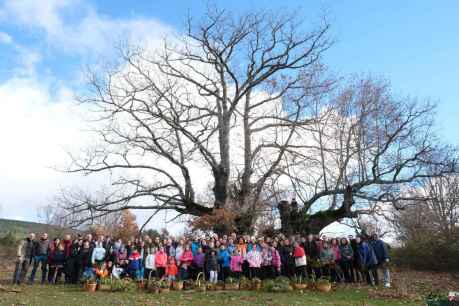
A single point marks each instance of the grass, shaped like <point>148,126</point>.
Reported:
<point>59,295</point>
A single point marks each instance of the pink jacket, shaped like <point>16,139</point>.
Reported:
<point>186,258</point>
<point>161,259</point>
<point>337,253</point>
<point>254,259</point>
<point>236,263</point>
<point>276,262</point>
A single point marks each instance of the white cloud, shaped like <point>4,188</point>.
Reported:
<point>5,38</point>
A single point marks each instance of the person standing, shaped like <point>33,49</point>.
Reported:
<point>40,257</point>
<point>382,255</point>
<point>24,258</point>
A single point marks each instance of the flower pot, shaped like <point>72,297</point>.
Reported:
<point>300,286</point>
<point>177,285</point>
<point>140,285</point>
<point>91,287</point>
<point>323,287</point>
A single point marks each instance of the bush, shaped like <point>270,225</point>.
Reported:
<point>8,239</point>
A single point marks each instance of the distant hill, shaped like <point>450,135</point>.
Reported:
<point>21,228</point>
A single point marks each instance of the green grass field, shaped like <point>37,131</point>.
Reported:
<point>58,295</point>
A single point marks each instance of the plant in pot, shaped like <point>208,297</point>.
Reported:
<point>90,284</point>
<point>231,284</point>
<point>105,284</point>
<point>256,283</point>
<point>245,284</point>
<point>177,285</point>
<point>323,284</point>
<point>164,286</point>
<point>153,285</point>
<point>300,283</point>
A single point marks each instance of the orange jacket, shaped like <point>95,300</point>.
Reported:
<point>171,270</point>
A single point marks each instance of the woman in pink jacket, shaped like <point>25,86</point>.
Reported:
<point>161,262</point>
<point>276,260</point>
<point>236,263</point>
<point>185,262</point>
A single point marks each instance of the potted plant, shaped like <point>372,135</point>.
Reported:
<point>153,285</point>
<point>323,284</point>
<point>105,284</point>
<point>90,284</point>
<point>245,284</point>
<point>231,284</point>
<point>300,283</point>
<point>256,283</point>
<point>177,285</point>
<point>164,286</point>
<point>437,299</point>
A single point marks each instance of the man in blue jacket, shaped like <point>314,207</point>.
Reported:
<point>367,260</point>
<point>380,249</point>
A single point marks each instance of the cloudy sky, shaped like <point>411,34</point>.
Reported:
<point>44,46</point>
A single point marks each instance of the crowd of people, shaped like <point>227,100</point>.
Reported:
<point>68,260</point>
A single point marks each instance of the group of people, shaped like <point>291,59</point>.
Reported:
<point>348,259</point>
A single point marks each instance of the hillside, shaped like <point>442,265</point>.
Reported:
<point>20,228</point>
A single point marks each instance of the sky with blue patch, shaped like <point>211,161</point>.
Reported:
<point>414,44</point>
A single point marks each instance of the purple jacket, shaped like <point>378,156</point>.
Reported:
<point>198,260</point>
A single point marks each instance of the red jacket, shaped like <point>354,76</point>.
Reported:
<point>171,270</point>
<point>186,258</point>
<point>161,259</point>
<point>299,252</point>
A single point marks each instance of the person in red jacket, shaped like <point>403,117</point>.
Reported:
<point>185,262</point>
<point>300,261</point>
<point>161,262</point>
<point>171,269</point>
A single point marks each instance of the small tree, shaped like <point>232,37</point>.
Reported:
<point>128,226</point>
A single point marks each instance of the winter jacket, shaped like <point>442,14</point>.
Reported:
<point>327,255</point>
<point>366,255</point>
<point>134,262</point>
<point>266,257</point>
<point>311,250</point>
<point>236,263</point>
<point>254,259</point>
<point>276,259</point>
<point>25,249</point>
<point>58,259</point>
<point>195,245</point>
<point>178,252</point>
<point>300,257</point>
<point>380,249</point>
<point>150,262</point>
<point>186,258</point>
<point>199,259</point>
<point>212,263</point>
<point>336,252</point>
<point>67,247</point>
<point>346,251</point>
<point>98,254</point>
<point>41,247</point>
<point>161,259</point>
<point>242,248</point>
<point>224,258</point>
<point>286,255</point>
<point>171,269</point>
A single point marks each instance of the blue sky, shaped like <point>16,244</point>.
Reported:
<point>414,44</point>
<point>44,45</point>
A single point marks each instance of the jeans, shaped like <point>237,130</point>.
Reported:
<point>213,276</point>
<point>37,260</point>
<point>386,273</point>
<point>20,271</point>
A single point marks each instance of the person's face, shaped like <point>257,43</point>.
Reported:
<point>31,236</point>
<point>161,249</point>
<point>358,240</point>
<point>67,237</point>
<point>44,236</point>
<point>86,245</point>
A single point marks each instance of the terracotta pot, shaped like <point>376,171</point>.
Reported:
<point>140,285</point>
<point>300,286</point>
<point>177,285</point>
<point>91,287</point>
<point>325,287</point>
<point>232,286</point>
<point>153,290</point>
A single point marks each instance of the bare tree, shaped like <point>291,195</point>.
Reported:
<point>210,102</point>
<point>368,152</point>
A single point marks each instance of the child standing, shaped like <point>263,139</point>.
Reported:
<point>236,263</point>
<point>171,269</point>
<point>212,266</point>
